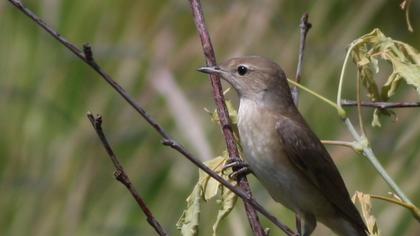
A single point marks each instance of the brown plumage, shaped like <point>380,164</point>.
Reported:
<point>283,152</point>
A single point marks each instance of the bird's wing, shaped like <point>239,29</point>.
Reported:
<point>306,152</point>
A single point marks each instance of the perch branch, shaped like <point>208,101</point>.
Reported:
<point>222,111</point>
<point>87,56</point>
<point>122,176</point>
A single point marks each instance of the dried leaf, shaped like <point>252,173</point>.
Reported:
<point>375,120</point>
<point>233,114</point>
<point>405,61</point>
<point>227,202</point>
<point>206,189</point>
<point>189,220</point>
<point>365,203</point>
<point>211,186</point>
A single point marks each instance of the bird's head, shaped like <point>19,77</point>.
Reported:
<point>253,77</point>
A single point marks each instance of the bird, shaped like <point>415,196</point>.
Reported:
<point>282,151</point>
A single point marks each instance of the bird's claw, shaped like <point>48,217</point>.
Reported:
<point>239,168</point>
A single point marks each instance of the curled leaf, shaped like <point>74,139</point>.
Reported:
<point>365,203</point>
<point>206,189</point>
<point>226,202</point>
<point>405,61</point>
<point>189,220</point>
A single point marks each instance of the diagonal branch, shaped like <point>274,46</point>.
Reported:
<point>223,111</point>
<point>122,177</point>
<point>87,56</point>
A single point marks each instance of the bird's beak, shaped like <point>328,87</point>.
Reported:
<point>210,70</point>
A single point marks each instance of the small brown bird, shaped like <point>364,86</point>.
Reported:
<point>283,152</point>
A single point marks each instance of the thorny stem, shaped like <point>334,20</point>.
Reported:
<point>122,176</point>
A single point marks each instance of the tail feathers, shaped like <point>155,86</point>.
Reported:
<point>343,227</point>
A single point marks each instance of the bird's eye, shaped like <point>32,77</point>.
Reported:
<point>242,70</point>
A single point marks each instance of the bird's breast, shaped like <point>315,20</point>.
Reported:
<point>263,150</point>
<point>267,159</point>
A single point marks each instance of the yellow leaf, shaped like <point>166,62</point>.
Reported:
<point>206,189</point>
<point>189,220</point>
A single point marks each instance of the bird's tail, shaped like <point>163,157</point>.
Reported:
<point>343,227</point>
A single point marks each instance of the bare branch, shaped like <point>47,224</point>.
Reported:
<point>87,57</point>
<point>222,110</point>
<point>380,105</point>
<point>122,177</point>
<point>305,26</point>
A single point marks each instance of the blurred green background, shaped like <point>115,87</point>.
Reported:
<point>55,178</point>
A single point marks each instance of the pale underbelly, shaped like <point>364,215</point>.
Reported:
<point>264,155</point>
<point>285,183</point>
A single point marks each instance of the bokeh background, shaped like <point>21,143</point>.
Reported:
<point>55,178</point>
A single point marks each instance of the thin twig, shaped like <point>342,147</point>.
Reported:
<point>359,108</point>
<point>380,105</point>
<point>223,111</point>
<point>305,26</point>
<point>167,140</point>
<point>362,140</point>
<point>122,176</point>
<point>414,210</point>
<point>317,95</point>
<point>352,145</point>
<point>370,155</point>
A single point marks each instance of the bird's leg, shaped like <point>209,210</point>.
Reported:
<point>239,167</point>
<point>307,224</point>
<point>298,225</point>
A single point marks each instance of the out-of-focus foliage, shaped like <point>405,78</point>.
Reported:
<point>405,61</point>
<point>55,178</point>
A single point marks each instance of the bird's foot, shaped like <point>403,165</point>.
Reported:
<point>239,168</point>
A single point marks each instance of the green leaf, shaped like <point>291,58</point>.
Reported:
<point>405,61</point>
